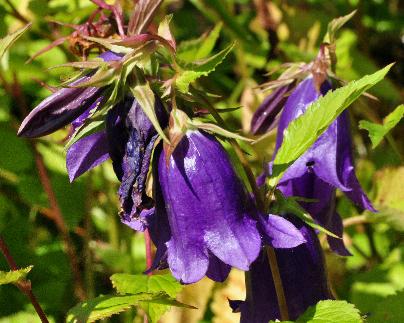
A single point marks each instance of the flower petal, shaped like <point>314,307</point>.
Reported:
<point>86,154</point>
<point>280,233</point>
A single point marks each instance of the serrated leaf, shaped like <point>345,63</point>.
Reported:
<point>134,284</point>
<point>13,276</point>
<point>105,306</point>
<point>378,131</point>
<point>330,311</point>
<point>302,132</point>
<point>145,97</point>
<point>192,71</point>
<point>191,50</point>
<point>6,42</point>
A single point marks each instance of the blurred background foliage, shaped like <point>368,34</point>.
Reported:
<point>71,232</point>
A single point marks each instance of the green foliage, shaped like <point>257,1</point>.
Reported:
<point>134,284</point>
<point>389,310</point>
<point>7,41</point>
<point>14,276</point>
<point>192,71</point>
<point>331,311</point>
<point>304,131</point>
<point>378,131</point>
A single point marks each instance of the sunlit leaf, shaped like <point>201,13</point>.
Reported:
<point>304,130</point>
<point>199,48</point>
<point>192,71</point>
<point>7,41</point>
<point>378,131</point>
<point>14,276</point>
<point>134,284</point>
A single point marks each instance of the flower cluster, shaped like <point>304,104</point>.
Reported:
<point>200,216</point>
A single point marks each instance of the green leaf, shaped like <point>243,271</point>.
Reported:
<point>290,205</point>
<point>378,131</point>
<point>134,284</point>
<point>335,25</point>
<point>304,130</point>
<point>14,276</point>
<point>6,42</point>
<point>192,71</point>
<point>104,306</point>
<point>191,50</point>
<point>330,311</point>
<point>146,98</point>
<point>211,127</point>
<point>390,309</point>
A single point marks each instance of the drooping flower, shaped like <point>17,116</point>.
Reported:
<point>326,166</point>
<point>303,277</point>
<point>208,221</point>
<point>265,118</point>
<point>63,106</point>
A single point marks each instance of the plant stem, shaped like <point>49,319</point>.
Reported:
<point>24,286</point>
<point>283,309</point>
<point>148,245</point>
<point>280,295</point>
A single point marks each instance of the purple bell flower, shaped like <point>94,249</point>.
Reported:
<point>326,166</point>
<point>204,221</point>
<point>265,118</point>
<point>303,277</point>
<point>62,107</point>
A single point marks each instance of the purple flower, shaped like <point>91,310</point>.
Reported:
<point>62,107</point>
<point>327,165</point>
<point>265,118</point>
<point>303,277</point>
<point>205,222</point>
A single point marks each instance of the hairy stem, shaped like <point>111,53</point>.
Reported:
<point>24,286</point>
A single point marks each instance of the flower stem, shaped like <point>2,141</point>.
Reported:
<point>283,308</point>
<point>24,286</point>
<point>276,276</point>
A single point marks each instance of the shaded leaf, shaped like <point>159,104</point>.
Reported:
<point>390,309</point>
<point>335,25</point>
<point>305,130</point>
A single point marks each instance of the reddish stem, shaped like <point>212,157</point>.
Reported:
<point>24,286</point>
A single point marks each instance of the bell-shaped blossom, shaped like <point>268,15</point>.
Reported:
<point>326,166</point>
<point>208,219</point>
<point>63,106</point>
<point>304,280</point>
<point>265,117</point>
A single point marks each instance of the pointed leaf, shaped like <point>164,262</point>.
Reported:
<point>6,42</point>
<point>304,130</point>
<point>191,50</point>
<point>335,25</point>
<point>145,96</point>
<point>14,276</point>
<point>378,131</point>
<point>218,130</point>
<point>192,71</point>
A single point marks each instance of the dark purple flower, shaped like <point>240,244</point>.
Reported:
<point>208,221</point>
<point>303,277</point>
<point>62,107</point>
<point>327,165</point>
<point>265,118</point>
